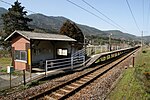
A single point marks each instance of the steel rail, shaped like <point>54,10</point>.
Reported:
<point>79,82</point>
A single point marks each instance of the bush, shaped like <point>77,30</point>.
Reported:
<point>34,83</point>
<point>144,77</point>
<point>147,75</point>
<point>3,70</point>
<point>143,51</point>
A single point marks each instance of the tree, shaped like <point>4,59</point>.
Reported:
<point>71,29</point>
<point>15,19</point>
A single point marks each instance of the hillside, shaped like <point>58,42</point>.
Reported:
<point>53,24</point>
<point>121,35</point>
<point>2,11</point>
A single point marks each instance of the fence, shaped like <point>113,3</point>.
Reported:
<point>77,59</point>
<point>91,49</point>
<point>95,49</point>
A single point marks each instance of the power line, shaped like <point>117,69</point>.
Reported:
<point>91,13</point>
<point>148,15</point>
<point>103,15</point>
<point>133,16</point>
<point>143,14</point>
<point>5,2</point>
<point>11,4</point>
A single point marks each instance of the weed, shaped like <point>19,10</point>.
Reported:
<point>143,51</point>
<point>34,83</point>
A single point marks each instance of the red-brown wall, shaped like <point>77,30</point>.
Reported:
<point>20,43</point>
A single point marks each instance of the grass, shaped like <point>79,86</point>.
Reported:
<point>128,88</point>
<point>4,62</point>
<point>135,83</point>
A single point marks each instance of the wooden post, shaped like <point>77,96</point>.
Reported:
<point>24,79</point>
<point>10,78</point>
<point>133,60</point>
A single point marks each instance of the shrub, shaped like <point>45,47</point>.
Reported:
<point>143,51</point>
<point>34,83</point>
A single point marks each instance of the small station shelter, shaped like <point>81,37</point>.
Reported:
<point>30,48</point>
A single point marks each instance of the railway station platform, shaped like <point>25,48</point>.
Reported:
<point>87,63</point>
<point>40,73</point>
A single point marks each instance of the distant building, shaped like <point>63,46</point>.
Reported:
<point>30,48</point>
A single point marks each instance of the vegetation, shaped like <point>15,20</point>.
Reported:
<point>135,84</point>
<point>4,62</point>
<point>50,24</point>
<point>15,19</point>
<point>71,29</point>
<point>104,40</point>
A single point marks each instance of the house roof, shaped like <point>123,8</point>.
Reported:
<point>41,36</point>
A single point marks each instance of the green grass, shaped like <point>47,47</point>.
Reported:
<point>135,83</point>
<point>4,62</point>
<point>128,88</point>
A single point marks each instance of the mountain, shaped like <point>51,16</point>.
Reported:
<point>53,24</point>
<point>48,23</point>
<point>2,11</point>
<point>120,35</point>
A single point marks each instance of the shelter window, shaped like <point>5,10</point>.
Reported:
<point>62,52</point>
<point>20,55</point>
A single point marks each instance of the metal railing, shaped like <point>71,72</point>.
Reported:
<point>77,59</point>
<point>79,53</point>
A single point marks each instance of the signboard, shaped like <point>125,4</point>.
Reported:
<point>10,69</point>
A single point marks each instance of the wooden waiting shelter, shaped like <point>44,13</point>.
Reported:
<point>30,48</point>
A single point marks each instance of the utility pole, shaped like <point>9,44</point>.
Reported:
<point>84,50</point>
<point>142,41</point>
<point>110,42</point>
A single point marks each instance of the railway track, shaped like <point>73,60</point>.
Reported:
<point>70,87</point>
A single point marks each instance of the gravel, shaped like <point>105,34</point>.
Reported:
<point>99,89</point>
<point>41,88</point>
<point>94,91</point>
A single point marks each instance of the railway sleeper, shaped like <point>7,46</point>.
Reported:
<point>76,84</point>
<point>57,94</point>
<point>84,79</point>
<point>70,87</point>
<point>65,90</point>
<point>80,81</point>
<point>48,98</point>
<point>87,77</point>
<point>90,75</point>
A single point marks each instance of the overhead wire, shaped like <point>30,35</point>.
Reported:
<point>104,15</point>
<point>148,15</point>
<point>133,16</point>
<point>143,14</point>
<point>116,25</point>
<point>92,13</point>
<point>11,4</point>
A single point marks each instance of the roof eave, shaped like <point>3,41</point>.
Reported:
<point>72,40</point>
<point>7,39</point>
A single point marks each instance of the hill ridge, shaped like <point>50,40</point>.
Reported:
<point>53,24</point>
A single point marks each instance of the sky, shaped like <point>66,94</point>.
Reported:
<point>116,10</point>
